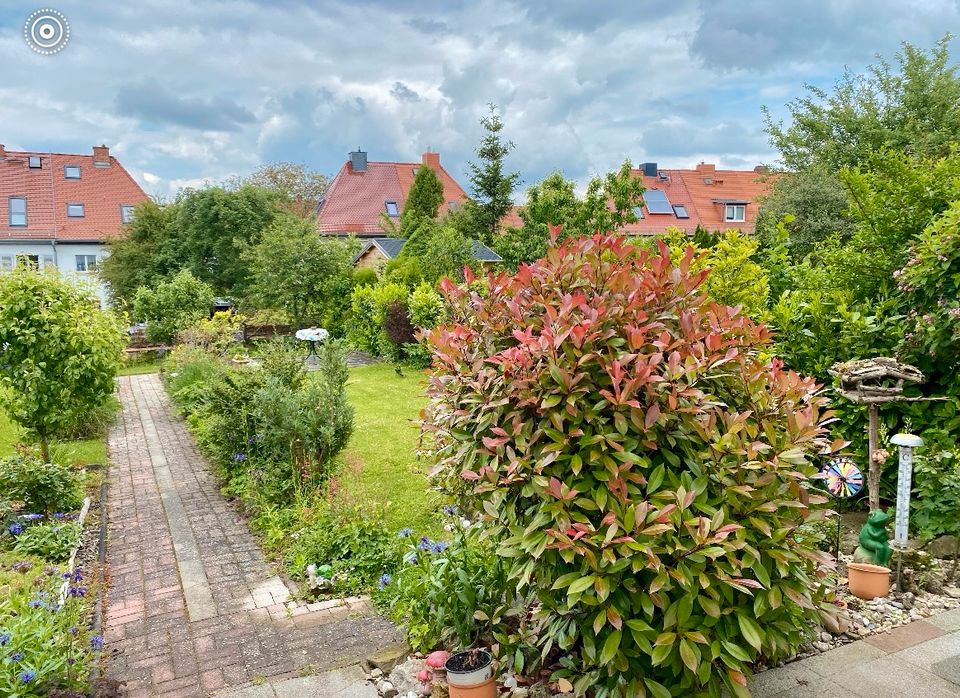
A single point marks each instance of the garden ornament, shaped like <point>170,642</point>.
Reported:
<point>874,547</point>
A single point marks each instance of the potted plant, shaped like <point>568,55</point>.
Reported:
<point>470,674</point>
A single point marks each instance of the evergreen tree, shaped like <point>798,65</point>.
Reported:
<point>423,201</point>
<point>492,187</point>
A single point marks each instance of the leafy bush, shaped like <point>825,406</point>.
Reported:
<point>60,352</point>
<point>449,595</point>
<point>91,423</point>
<point>53,541</point>
<point>641,466</point>
<point>43,646</point>
<point>351,540</point>
<point>283,360</point>
<point>172,305</point>
<point>217,334</point>
<point>936,494</point>
<point>189,373</point>
<point>425,306</point>
<point>364,276</point>
<point>368,310</point>
<point>42,487</point>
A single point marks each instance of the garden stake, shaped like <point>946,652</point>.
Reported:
<point>906,442</point>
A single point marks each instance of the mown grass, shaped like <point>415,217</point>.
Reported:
<point>381,464</point>
<point>133,369</point>
<point>82,452</point>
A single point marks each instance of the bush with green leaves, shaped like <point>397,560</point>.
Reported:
<point>641,466</point>
<point>60,352</point>
<point>368,312</point>
<point>53,540</point>
<point>40,487</point>
<point>425,305</point>
<point>172,305</point>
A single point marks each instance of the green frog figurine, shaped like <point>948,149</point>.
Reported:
<point>874,547</point>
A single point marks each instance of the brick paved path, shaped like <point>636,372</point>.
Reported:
<point>193,607</point>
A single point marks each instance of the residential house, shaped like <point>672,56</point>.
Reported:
<point>704,196</point>
<point>379,251</point>
<point>59,210</point>
<point>364,192</point>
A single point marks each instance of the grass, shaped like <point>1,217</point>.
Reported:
<point>381,465</point>
<point>83,452</point>
<point>133,369</point>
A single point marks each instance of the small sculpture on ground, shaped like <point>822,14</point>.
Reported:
<point>874,547</point>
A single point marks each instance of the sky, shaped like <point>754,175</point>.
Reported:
<point>187,92</point>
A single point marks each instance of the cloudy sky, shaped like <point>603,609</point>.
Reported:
<point>187,91</point>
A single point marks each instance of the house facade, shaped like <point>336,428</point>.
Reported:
<point>364,192</point>
<point>58,210</point>
<point>376,252</point>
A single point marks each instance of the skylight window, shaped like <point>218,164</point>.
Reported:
<point>453,205</point>
<point>392,208</point>
<point>34,162</point>
<point>71,171</point>
<point>681,211</point>
<point>657,201</point>
<point>638,212</point>
<point>18,211</point>
<point>126,213</point>
<point>75,210</point>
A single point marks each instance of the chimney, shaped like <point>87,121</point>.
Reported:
<point>101,156</point>
<point>358,160</point>
<point>649,169</point>
<point>431,160</point>
<point>705,169</point>
<point>3,153</point>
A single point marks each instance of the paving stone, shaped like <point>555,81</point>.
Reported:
<point>905,636</point>
<point>840,659</point>
<point>949,621</point>
<point>889,677</point>
<point>187,575</point>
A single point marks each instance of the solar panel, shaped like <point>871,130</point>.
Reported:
<point>657,201</point>
<point>681,211</point>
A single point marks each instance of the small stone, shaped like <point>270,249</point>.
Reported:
<point>822,646</point>
<point>942,547</point>
<point>826,637</point>
<point>387,690</point>
<point>520,692</point>
<point>388,657</point>
<point>376,672</point>
<point>539,690</point>
<point>952,592</point>
<point>510,682</point>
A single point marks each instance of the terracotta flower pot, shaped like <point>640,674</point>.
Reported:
<point>470,675</point>
<point>868,581</point>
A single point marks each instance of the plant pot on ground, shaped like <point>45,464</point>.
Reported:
<point>470,675</point>
<point>868,581</point>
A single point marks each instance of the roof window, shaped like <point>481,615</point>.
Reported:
<point>71,171</point>
<point>392,208</point>
<point>34,162</point>
<point>681,211</point>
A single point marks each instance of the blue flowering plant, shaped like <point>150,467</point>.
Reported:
<point>44,645</point>
<point>53,540</point>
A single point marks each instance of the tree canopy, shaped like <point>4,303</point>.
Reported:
<point>492,186</point>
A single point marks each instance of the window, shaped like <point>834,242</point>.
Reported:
<point>34,162</point>
<point>735,213</point>
<point>392,208</point>
<point>453,205</point>
<point>6,263</point>
<point>638,212</point>
<point>86,262</point>
<point>681,211</point>
<point>71,171</point>
<point>30,261</point>
<point>75,210</point>
<point>415,170</point>
<point>126,213</point>
<point>656,201</point>
<point>18,211</point>
<point>47,260</point>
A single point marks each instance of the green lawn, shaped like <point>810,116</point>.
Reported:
<point>141,367</point>
<point>80,452</point>
<point>381,465</point>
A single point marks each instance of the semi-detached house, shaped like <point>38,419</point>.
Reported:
<point>59,210</point>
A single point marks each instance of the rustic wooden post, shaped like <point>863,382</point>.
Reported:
<point>873,477</point>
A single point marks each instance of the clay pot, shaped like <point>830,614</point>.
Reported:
<point>868,581</point>
<point>470,675</point>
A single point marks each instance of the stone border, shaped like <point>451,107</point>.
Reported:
<point>71,564</point>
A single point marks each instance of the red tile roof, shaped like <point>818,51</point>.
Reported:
<point>355,200</point>
<point>701,191</point>
<point>101,190</point>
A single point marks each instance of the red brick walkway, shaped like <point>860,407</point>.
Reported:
<point>193,607</point>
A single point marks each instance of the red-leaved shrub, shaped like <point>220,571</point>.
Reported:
<point>642,465</point>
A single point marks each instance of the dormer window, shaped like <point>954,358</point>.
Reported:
<point>392,208</point>
<point>34,162</point>
<point>734,213</point>
<point>71,171</point>
<point>75,210</point>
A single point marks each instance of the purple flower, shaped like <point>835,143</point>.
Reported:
<point>22,566</point>
<point>384,580</point>
<point>440,546</point>
<point>28,676</point>
<point>77,591</point>
<point>73,631</point>
<point>32,517</point>
<point>449,510</point>
<point>35,603</point>
<point>59,515</point>
<point>239,457</point>
<point>16,657</point>
<point>96,642</point>
<point>404,533</point>
<point>15,529</point>
<point>4,639</point>
<point>425,544</point>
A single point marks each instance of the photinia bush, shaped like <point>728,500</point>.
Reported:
<point>643,469</point>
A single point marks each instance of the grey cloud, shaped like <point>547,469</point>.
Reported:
<point>155,103</point>
<point>428,26</point>
<point>404,93</point>
<point>679,139</point>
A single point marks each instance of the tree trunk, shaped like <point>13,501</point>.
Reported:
<point>956,555</point>
<point>45,449</point>
<point>873,479</point>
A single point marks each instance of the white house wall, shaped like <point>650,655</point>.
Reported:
<point>63,256</point>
